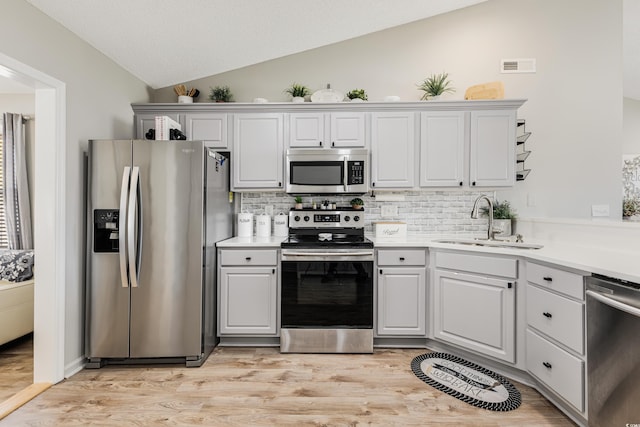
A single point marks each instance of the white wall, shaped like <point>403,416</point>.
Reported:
<point>577,130</point>
<point>631,126</point>
<point>98,95</point>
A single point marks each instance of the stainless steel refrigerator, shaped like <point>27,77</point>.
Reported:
<point>155,211</point>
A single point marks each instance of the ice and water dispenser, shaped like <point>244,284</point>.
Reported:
<point>105,230</point>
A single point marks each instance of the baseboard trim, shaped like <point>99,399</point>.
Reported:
<point>21,397</point>
<point>74,367</point>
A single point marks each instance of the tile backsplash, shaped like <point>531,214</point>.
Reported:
<point>425,212</point>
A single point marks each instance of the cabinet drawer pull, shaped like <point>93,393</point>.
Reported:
<point>473,183</point>
<point>273,271</point>
<point>509,285</point>
<point>401,258</point>
<point>320,143</point>
<point>547,314</point>
<point>460,183</point>
<point>380,271</point>
<point>248,258</point>
<point>547,279</point>
<point>547,365</point>
<point>333,144</point>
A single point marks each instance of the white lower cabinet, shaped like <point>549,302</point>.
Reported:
<point>555,335</point>
<point>401,308</point>
<point>558,369</point>
<point>472,309</point>
<point>248,294</point>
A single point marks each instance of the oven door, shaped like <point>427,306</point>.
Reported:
<point>327,289</point>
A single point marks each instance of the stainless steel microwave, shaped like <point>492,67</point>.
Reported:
<point>327,171</point>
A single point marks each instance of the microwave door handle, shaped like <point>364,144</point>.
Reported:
<point>346,174</point>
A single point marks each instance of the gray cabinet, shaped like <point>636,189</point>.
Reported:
<point>442,146</point>
<point>401,293</point>
<point>208,127</point>
<point>492,155</point>
<point>327,130</point>
<point>393,149</point>
<point>555,333</point>
<point>248,293</point>
<point>146,121</point>
<point>474,303</point>
<point>258,145</point>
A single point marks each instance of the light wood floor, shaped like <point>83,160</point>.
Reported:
<point>16,366</point>
<point>261,387</point>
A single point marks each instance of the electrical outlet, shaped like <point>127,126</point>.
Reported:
<point>389,211</point>
<point>599,210</point>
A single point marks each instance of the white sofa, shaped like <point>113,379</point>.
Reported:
<point>16,294</point>
<point>16,309</point>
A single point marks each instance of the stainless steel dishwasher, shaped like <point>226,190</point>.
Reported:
<point>613,352</point>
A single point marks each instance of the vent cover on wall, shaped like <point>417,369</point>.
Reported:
<point>523,65</point>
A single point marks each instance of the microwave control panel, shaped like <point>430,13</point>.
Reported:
<point>355,172</point>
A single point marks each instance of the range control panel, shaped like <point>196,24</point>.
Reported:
<point>316,218</point>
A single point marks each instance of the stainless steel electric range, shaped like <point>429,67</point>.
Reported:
<point>327,283</point>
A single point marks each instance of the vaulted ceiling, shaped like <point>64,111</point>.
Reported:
<point>165,42</point>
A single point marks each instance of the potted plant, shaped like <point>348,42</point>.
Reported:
<point>220,94</point>
<point>357,95</point>
<point>356,203</point>
<point>298,200</point>
<point>503,216</point>
<point>435,85</point>
<point>631,209</point>
<point>297,92</point>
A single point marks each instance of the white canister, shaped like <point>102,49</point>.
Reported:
<point>245,224</point>
<point>281,225</point>
<point>263,225</point>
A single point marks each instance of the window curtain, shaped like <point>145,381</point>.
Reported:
<point>16,186</point>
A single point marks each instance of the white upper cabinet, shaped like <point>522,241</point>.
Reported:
<point>442,142</point>
<point>258,144</point>
<point>327,130</point>
<point>306,130</point>
<point>208,127</point>
<point>393,146</point>
<point>492,161</point>
<point>348,129</point>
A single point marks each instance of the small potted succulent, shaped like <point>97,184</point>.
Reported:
<point>356,203</point>
<point>631,209</point>
<point>435,85</point>
<point>357,95</point>
<point>220,94</point>
<point>298,200</point>
<point>503,216</point>
<point>297,92</point>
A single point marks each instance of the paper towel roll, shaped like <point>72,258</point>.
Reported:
<point>263,225</point>
<point>245,224</point>
<point>281,225</point>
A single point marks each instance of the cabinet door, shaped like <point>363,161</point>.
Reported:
<point>258,149</point>
<point>208,127</point>
<point>442,140</point>
<point>392,150</point>
<point>306,130</point>
<point>144,122</point>
<point>348,129</point>
<point>475,312</point>
<point>248,301</point>
<point>492,159</point>
<point>401,301</point>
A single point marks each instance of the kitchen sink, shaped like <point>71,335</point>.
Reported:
<point>492,243</point>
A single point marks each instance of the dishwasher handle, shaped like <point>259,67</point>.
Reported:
<point>613,303</point>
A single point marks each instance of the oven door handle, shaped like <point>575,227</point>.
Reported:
<point>327,254</point>
<point>613,303</point>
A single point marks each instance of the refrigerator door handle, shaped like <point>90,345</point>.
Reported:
<point>134,236</point>
<point>122,227</point>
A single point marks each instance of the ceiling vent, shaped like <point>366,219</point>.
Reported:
<point>527,65</point>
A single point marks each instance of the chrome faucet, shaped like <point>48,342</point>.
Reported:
<point>474,214</point>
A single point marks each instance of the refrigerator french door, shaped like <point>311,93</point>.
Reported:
<point>147,296</point>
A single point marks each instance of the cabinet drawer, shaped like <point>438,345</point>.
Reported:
<point>558,317</point>
<point>495,266</point>
<point>558,369</point>
<point>570,284</point>
<point>402,257</point>
<point>249,257</point>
